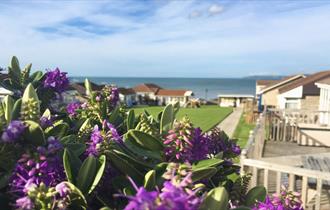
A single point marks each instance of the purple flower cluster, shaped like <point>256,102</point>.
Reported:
<point>185,143</point>
<point>218,141</point>
<point>72,108</point>
<point>114,96</point>
<point>44,166</point>
<point>286,200</point>
<point>13,132</point>
<point>101,139</point>
<point>173,196</point>
<point>56,80</point>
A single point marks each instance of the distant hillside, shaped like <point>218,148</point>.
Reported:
<point>264,77</point>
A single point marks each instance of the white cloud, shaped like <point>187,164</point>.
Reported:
<point>215,9</point>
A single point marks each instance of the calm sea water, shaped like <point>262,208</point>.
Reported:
<point>202,87</point>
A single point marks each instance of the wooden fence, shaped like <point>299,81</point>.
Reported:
<point>272,175</point>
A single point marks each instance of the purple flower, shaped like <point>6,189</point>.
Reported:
<point>24,203</point>
<point>101,139</point>
<point>63,189</point>
<point>44,166</point>
<point>285,200</point>
<point>13,131</point>
<point>143,200</point>
<point>95,142</point>
<point>114,96</point>
<point>176,198</point>
<point>72,108</point>
<point>46,122</point>
<point>56,80</point>
<point>185,143</point>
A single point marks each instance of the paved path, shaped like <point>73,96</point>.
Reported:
<point>229,124</point>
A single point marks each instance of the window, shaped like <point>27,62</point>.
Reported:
<point>292,103</point>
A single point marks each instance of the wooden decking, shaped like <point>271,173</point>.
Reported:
<point>289,153</point>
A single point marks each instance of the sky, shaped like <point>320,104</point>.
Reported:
<point>159,38</point>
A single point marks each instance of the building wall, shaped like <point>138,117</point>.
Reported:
<point>270,98</point>
<point>310,102</point>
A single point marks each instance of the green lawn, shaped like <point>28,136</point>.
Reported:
<point>205,117</point>
<point>242,131</point>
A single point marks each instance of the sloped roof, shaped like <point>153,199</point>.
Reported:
<point>308,81</point>
<point>78,87</point>
<point>325,81</point>
<point>266,82</point>
<point>168,92</point>
<point>126,91</point>
<point>282,82</point>
<point>147,87</point>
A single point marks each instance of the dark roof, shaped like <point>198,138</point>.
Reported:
<point>308,83</point>
<point>3,76</point>
<point>167,92</point>
<point>325,81</point>
<point>147,87</point>
<point>126,91</point>
<point>78,87</point>
<point>266,82</point>
<point>284,81</point>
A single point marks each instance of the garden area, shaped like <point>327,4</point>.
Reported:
<point>205,117</point>
<point>97,155</point>
<point>242,131</point>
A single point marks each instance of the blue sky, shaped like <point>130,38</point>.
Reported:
<point>168,38</point>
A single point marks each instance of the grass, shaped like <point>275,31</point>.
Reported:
<point>242,131</point>
<point>205,117</point>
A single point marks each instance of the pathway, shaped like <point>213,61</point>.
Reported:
<point>228,125</point>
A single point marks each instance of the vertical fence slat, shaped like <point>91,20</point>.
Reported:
<point>254,176</point>
<point>291,182</point>
<point>266,174</point>
<point>304,191</point>
<point>318,194</point>
<point>278,181</point>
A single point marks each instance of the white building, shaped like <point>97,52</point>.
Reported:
<point>324,102</point>
<point>166,96</point>
<point>127,96</point>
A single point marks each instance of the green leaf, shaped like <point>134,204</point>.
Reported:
<point>145,140</point>
<point>76,148</point>
<point>203,173</point>
<point>47,114</point>
<point>242,208</point>
<point>114,115</point>
<point>140,165</point>
<point>14,72</point>
<point>36,76</point>
<point>99,174</point>
<point>71,164</point>
<point>130,119</point>
<point>4,179</point>
<point>86,174</point>
<point>88,87</point>
<point>124,166</point>
<point>167,119</point>
<point>69,139</point>
<point>34,134</point>
<point>77,199</point>
<point>254,195</point>
<point>138,150</point>
<point>16,112</point>
<point>58,131</point>
<point>8,103</point>
<point>85,125</point>
<point>216,199</point>
<point>150,180</point>
<point>207,163</point>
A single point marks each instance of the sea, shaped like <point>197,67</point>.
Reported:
<point>206,88</point>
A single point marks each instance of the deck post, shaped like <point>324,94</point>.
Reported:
<point>318,194</point>
<point>254,180</point>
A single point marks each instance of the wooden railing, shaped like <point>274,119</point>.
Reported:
<point>294,174</point>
